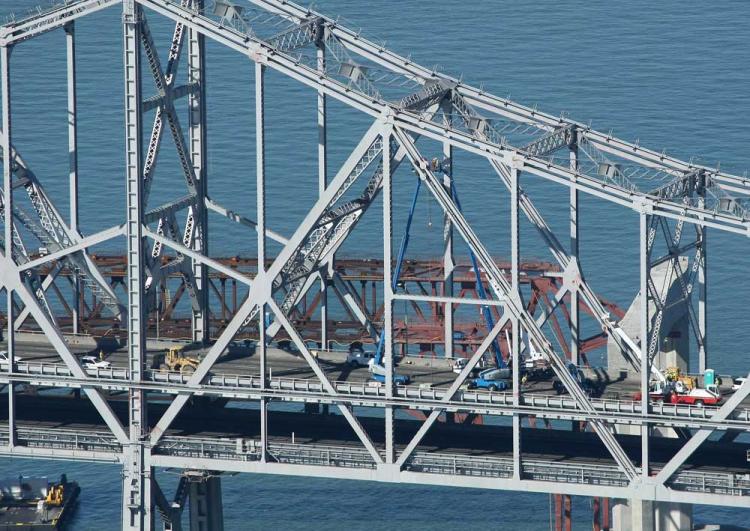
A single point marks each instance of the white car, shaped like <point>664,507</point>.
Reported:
<point>359,358</point>
<point>737,383</point>
<point>4,357</point>
<point>92,362</point>
<point>459,364</point>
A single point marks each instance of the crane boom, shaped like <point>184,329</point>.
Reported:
<point>481,291</point>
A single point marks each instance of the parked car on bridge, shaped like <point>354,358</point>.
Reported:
<point>492,379</point>
<point>4,357</point>
<point>92,362</point>
<point>359,358</point>
<point>459,363</point>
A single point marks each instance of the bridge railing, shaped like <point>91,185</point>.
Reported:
<point>463,396</point>
<point>220,383</point>
<point>63,439</point>
<point>309,454</point>
<point>714,482</point>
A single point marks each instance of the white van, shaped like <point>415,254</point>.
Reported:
<point>359,358</point>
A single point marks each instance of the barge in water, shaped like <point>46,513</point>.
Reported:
<point>36,504</point>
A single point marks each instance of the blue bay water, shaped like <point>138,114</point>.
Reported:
<point>672,74</point>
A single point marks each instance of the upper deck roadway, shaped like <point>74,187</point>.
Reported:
<point>237,375</point>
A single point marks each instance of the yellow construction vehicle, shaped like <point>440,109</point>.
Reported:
<point>55,495</point>
<point>673,374</point>
<point>175,360</point>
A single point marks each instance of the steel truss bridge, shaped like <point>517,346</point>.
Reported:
<point>142,417</point>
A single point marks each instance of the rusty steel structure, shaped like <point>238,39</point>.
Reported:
<point>648,452</point>
<point>361,277</point>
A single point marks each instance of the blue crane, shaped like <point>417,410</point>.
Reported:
<point>481,291</point>
<point>377,370</point>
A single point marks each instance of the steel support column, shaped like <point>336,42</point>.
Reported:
<point>260,186</point>
<point>387,330</point>
<point>137,506</point>
<point>702,291</point>
<point>575,314</point>
<point>448,259</point>
<point>644,256</point>
<point>8,228</point>
<point>206,511</point>
<point>515,242</point>
<point>7,161</point>
<point>198,150</point>
<point>11,354</point>
<point>73,158</point>
<point>322,184</point>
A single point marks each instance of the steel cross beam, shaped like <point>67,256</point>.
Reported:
<point>502,289</point>
<point>55,233</point>
<point>333,229</point>
<point>237,218</point>
<point>56,17</point>
<point>165,85</point>
<point>470,142</point>
<point>261,290</point>
<point>136,492</point>
<point>356,43</point>
<point>247,387</point>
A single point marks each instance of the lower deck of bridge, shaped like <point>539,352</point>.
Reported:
<point>211,419</point>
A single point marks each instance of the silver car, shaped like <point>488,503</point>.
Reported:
<point>359,358</point>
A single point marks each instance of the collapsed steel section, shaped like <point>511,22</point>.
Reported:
<point>367,77</point>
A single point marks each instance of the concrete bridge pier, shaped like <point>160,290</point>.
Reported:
<point>204,498</point>
<point>640,515</point>
<point>673,351</point>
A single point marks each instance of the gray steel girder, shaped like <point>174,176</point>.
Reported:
<point>55,234</point>
<point>261,288</point>
<point>503,290</point>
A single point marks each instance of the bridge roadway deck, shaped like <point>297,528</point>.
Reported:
<point>209,420</point>
<point>236,376</point>
<point>207,435</point>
